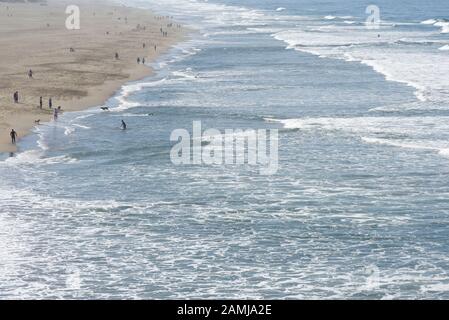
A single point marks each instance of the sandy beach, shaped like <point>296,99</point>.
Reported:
<point>77,69</point>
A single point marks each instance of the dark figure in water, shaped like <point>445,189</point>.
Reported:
<point>50,103</point>
<point>123,125</point>
<point>16,97</point>
<point>56,114</point>
<point>30,73</point>
<point>40,102</point>
<point>13,135</point>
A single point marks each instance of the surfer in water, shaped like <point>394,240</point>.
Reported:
<point>123,125</point>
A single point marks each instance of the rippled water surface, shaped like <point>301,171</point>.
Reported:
<point>358,208</point>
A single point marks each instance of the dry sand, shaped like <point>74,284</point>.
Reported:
<point>34,36</point>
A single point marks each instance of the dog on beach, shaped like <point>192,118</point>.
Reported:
<point>38,122</point>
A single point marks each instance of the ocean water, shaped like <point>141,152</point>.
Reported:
<point>358,208</point>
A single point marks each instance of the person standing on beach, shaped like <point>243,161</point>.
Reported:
<point>16,97</point>
<point>138,60</point>
<point>50,103</point>
<point>30,73</point>
<point>116,56</point>
<point>13,135</point>
<point>143,60</point>
<point>40,102</point>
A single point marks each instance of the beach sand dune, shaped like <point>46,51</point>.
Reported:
<point>76,68</point>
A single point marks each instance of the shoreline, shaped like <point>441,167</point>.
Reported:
<point>78,80</point>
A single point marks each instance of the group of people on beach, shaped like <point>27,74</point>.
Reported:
<point>163,17</point>
<point>164,33</point>
<point>50,103</point>
<point>13,133</point>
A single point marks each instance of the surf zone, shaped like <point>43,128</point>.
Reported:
<point>231,147</point>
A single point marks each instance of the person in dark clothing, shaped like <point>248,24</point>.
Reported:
<point>40,102</point>
<point>50,103</point>
<point>16,97</point>
<point>116,56</point>
<point>138,60</point>
<point>143,60</point>
<point>13,135</point>
<point>30,73</point>
<point>123,125</point>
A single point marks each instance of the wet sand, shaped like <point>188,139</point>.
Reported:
<point>33,36</point>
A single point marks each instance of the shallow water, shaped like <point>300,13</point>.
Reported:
<point>358,208</point>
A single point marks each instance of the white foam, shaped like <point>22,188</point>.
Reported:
<point>37,157</point>
<point>186,74</point>
<point>268,30</point>
<point>444,152</point>
<point>280,9</point>
<point>69,130</point>
<point>398,144</point>
<point>438,287</point>
<point>132,115</point>
<point>444,26</point>
<point>417,66</point>
<point>429,21</point>
<point>429,133</point>
<point>84,116</point>
<point>81,126</point>
<point>127,90</point>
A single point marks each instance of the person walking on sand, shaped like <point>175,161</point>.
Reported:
<point>16,97</point>
<point>13,135</point>
<point>138,60</point>
<point>50,103</point>
<point>116,56</point>
<point>55,114</point>
<point>123,125</point>
<point>40,102</point>
<point>143,60</point>
<point>30,73</point>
